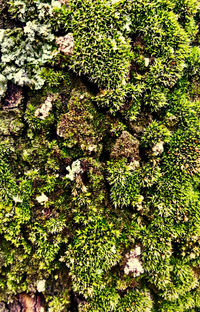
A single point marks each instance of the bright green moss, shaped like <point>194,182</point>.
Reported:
<point>154,133</point>
<point>124,181</point>
<point>135,301</point>
<point>90,255</point>
<point>92,53</point>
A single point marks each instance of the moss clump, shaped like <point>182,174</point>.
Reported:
<point>124,181</point>
<point>82,125</point>
<point>103,248</point>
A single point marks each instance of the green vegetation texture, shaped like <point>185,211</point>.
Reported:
<point>100,154</point>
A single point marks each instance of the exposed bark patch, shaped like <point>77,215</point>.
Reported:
<point>13,97</point>
<point>126,146</point>
<point>25,303</point>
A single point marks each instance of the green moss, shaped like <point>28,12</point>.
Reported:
<point>97,250</point>
<point>102,301</point>
<point>99,154</point>
<point>154,133</point>
<point>92,53</point>
<point>124,182</point>
<point>136,300</point>
<point>11,123</point>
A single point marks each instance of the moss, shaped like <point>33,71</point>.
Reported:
<point>99,154</point>
<point>136,300</point>
<point>107,42</point>
<point>107,299</point>
<point>124,181</point>
<point>11,123</point>
<point>82,125</point>
<point>126,146</point>
<point>102,245</point>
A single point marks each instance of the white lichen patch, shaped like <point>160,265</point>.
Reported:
<point>113,2</point>
<point>17,199</point>
<point>43,111</point>
<point>134,164</point>
<point>158,148</point>
<point>2,32</point>
<point>133,264</point>
<point>73,170</point>
<point>146,61</point>
<point>66,44</point>
<point>41,285</point>
<point>3,85</point>
<point>42,198</point>
<point>138,249</point>
<point>64,1</point>
<point>56,4</point>
<point>92,148</point>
